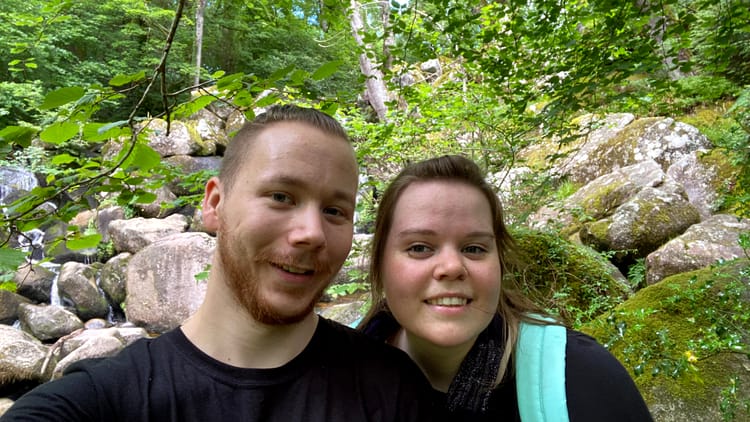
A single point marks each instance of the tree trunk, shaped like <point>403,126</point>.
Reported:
<point>200,7</point>
<point>375,91</point>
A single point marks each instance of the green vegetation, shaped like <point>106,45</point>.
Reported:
<point>76,95</point>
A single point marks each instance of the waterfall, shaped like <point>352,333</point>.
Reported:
<point>54,291</point>
<point>32,242</point>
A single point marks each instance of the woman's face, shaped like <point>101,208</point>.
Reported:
<point>441,271</point>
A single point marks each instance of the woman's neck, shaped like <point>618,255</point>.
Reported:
<point>440,364</point>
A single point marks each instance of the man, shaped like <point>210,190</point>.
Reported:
<point>255,350</point>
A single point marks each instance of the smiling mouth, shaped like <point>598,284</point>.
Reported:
<point>448,301</point>
<point>293,270</point>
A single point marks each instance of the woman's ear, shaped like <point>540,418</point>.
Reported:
<point>211,202</point>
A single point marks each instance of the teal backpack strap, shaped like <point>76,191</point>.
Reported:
<point>540,373</point>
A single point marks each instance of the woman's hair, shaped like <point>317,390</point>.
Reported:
<point>512,306</point>
<point>242,142</point>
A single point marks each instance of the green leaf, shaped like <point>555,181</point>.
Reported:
<point>59,132</point>
<point>96,132</point>
<point>83,242</point>
<point>229,82</point>
<point>120,80</point>
<point>280,73</point>
<point>143,157</point>
<point>298,76</point>
<point>63,159</point>
<point>144,197</point>
<point>186,110</point>
<point>10,259</point>
<point>327,70</point>
<point>17,134</point>
<point>62,96</point>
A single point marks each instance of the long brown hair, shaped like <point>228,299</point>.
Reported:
<point>512,306</point>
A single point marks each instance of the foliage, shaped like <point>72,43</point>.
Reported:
<point>568,280</point>
<point>679,325</point>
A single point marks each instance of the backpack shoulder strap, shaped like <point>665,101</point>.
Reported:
<point>540,373</point>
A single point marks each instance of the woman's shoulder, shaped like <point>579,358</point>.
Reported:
<point>598,386</point>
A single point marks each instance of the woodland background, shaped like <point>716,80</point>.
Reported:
<point>409,79</point>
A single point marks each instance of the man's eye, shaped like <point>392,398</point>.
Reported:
<point>281,197</point>
<point>337,212</point>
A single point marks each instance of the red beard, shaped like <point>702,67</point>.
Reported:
<point>242,280</point>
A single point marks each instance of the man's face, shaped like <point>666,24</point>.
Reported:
<point>285,226</point>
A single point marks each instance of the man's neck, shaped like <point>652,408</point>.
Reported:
<point>225,331</point>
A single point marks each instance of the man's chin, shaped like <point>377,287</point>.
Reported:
<point>277,315</point>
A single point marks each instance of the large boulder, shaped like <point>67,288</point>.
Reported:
<point>161,280</point>
<point>599,198</point>
<point>705,175</point>
<point>112,277</point>
<point>703,244</point>
<point>48,322</point>
<point>9,303</point>
<point>34,282</point>
<point>136,233</point>
<point>641,225</point>
<point>21,356</point>
<point>77,284</point>
<point>684,341</point>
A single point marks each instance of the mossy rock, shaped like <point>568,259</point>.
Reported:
<point>684,340</point>
<point>728,179</point>
<point>566,278</point>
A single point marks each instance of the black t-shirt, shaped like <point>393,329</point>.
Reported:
<point>597,386</point>
<point>340,376</point>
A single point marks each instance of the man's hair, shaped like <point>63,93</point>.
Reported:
<point>240,145</point>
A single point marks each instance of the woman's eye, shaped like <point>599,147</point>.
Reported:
<point>475,250</point>
<point>281,197</point>
<point>418,249</point>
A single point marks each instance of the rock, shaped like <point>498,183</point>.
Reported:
<point>189,165</point>
<point>77,284</point>
<point>676,339</point>
<point>161,284</point>
<point>21,356</point>
<point>704,174</point>
<point>48,322</point>
<point>112,277</point>
<point>96,347</point>
<point>9,303</point>
<point>134,234</point>
<point>701,245</point>
<point>34,282</point>
<point>642,224</point>
<point>344,313</point>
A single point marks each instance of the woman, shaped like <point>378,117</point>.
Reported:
<point>439,251</point>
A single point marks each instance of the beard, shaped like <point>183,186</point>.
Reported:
<point>243,281</point>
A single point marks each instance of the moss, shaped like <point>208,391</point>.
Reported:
<point>727,179</point>
<point>568,279</point>
<point>678,338</point>
<point>603,201</point>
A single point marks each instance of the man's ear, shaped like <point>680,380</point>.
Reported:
<point>211,202</point>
